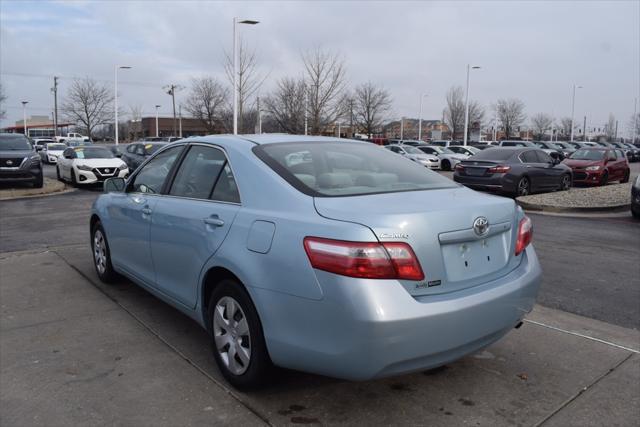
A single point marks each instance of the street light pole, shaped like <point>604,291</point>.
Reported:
<point>573,107</point>
<point>420,117</point>
<point>157,106</point>
<point>235,69</point>
<point>115,103</point>
<point>24,117</point>
<point>466,110</point>
<point>180,114</point>
<point>401,128</point>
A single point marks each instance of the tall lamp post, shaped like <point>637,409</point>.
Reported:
<point>573,107</point>
<point>235,69</point>
<point>466,109</point>
<point>422,97</point>
<point>115,103</point>
<point>157,106</point>
<point>24,117</point>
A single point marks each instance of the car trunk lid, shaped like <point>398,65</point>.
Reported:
<point>438,225</point>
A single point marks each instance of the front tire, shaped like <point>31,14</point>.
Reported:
<point>39,181</point>
<point>102,254</point>
<point>605,179</point>
<point>74,181</point>
<point>58,176</point>
<point>237,338</point>
<point>446,165</point>
<point>565,182</point>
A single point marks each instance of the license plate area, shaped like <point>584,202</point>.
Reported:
<point>475,171</point>
<point>475,258</point>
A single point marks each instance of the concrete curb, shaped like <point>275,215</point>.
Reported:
<point>581,209</point>
<point>51,187</point>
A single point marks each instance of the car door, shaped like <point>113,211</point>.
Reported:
<point>130,216</point>
<point>534,169</point>
<point>611,164</point>
<point>192,220</point>
<point>621,163</point>
<point>66,161</point>
<point>551,172</point>
<point>127,156</point>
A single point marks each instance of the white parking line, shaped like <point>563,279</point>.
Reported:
<point>577,334</point>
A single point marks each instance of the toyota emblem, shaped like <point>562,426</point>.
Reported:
<point>481,226</point>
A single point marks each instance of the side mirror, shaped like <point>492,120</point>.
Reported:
<point>114,185</point>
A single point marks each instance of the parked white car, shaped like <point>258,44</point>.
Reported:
<point>412,153</point>
<point>89,165</point>
<point>52,151</point>
<point>464,150</point>
<point>448,159</point>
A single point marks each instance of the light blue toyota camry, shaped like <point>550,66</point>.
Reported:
<point>323,255</point>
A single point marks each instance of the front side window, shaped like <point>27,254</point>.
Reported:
<point>152,176</point>
<point>347,169</point>
<point>543,157</point>
<point>611,155</point>
<point>198,173</point>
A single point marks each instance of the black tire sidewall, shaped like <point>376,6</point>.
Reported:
<point>74,180</point>
<point>605,178</point>
<point>446,165</point>
<point>528,186</point>
<point>260,366</point>
<point>39,181</point>
<point>109,274</point>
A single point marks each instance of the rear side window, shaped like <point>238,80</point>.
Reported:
<point>330,169</point>
<point>543,157</point>
<point>226,189</point>
<point>529,157</point>
<point>152,176</point>
<point>198,173</point>
<point>495,154</point>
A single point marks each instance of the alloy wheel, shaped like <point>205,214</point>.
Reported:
<point>100,252</point>
<point>231,335</point>
<point>566,183</point>
<point>523,187</point>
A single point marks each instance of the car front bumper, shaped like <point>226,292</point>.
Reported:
<point>91,177</point>
<point>364,329</point>
<point>587,177</point>
<point>25,172</point>
<point>430,165</point>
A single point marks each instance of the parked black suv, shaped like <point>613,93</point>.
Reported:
<point>137,152</point>
<point>19,161</point>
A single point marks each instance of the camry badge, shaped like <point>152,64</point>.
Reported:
<point>481,226</point>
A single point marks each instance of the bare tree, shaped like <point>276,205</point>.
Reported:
<point>325,78</point>
<point>88,103</point>
<point>136,120</point>
<point>206,102</point>
<point>3,98</point>
<point>510,114</point>
<point>541,122</point>
<point>248,82</point>
<point>455,111</point>
<point>634,126</point>
<point>610,127</point>
<point>286,105</point>
<point>371,105</point>
<point>565,126</point>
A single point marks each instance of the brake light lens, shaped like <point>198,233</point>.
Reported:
<point>500,169</point>
<point>525,235</point>
<point>459,167</point>
<point>390,260</point>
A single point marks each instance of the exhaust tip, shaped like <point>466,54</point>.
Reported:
<point>518,325</point>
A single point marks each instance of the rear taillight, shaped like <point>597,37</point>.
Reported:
<point>525,235</point>
<point>459,167</point>
<point>500,169</point>
<point>390,260</point>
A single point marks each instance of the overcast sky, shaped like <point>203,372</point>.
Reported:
<point>534,51</point>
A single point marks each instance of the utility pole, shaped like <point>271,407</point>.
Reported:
<point>157,133</point>
<point>615,138</point>
<point>54,89</point>
<point>584,129</point>
<point>401,128</point>
<point>351,119</point>
<point>635,121</point>
<point>24,117</point>
<point>180,109</point>
<point>171,90</point>
<point>259,117</point>
<point>573,107</point>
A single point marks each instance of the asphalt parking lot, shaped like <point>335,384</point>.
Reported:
<point>75,351</point>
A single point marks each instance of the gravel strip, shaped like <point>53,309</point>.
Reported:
<point>611,195</point>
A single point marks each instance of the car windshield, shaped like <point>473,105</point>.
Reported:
<point>583,154</point>
<point>412,150</point>
<point>494,154</point>
<point>439,143</point>
<point>329,169</point>
<point>152,148</point>
<point>93,153</point>
<point>77,143</point>
<point>11,142</point>
<point>54,147</point>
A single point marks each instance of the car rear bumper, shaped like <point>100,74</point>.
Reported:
<point>365,329</point>
<point>496,182</point>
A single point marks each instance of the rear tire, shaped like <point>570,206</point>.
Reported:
<point>445,165</point>
<point>102,254</point>
<point>237,338</point>
<point>565,182</point>
<point>523,188</point>
<point>625,177</point>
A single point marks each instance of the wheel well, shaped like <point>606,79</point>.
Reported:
<point>211,279</point>
<point>92,222</point>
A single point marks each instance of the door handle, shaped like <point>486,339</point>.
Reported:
<point>138,199</point>
<point>214,221</point>
<point>146,211</point>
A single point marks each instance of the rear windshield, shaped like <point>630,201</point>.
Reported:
<point>331,169</point>
<point>494,154</point>
<point>583,154</point>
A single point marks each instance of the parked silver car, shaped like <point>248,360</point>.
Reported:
<point>318,254</point>
<point>448,159</point>
<point>415,154</point>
